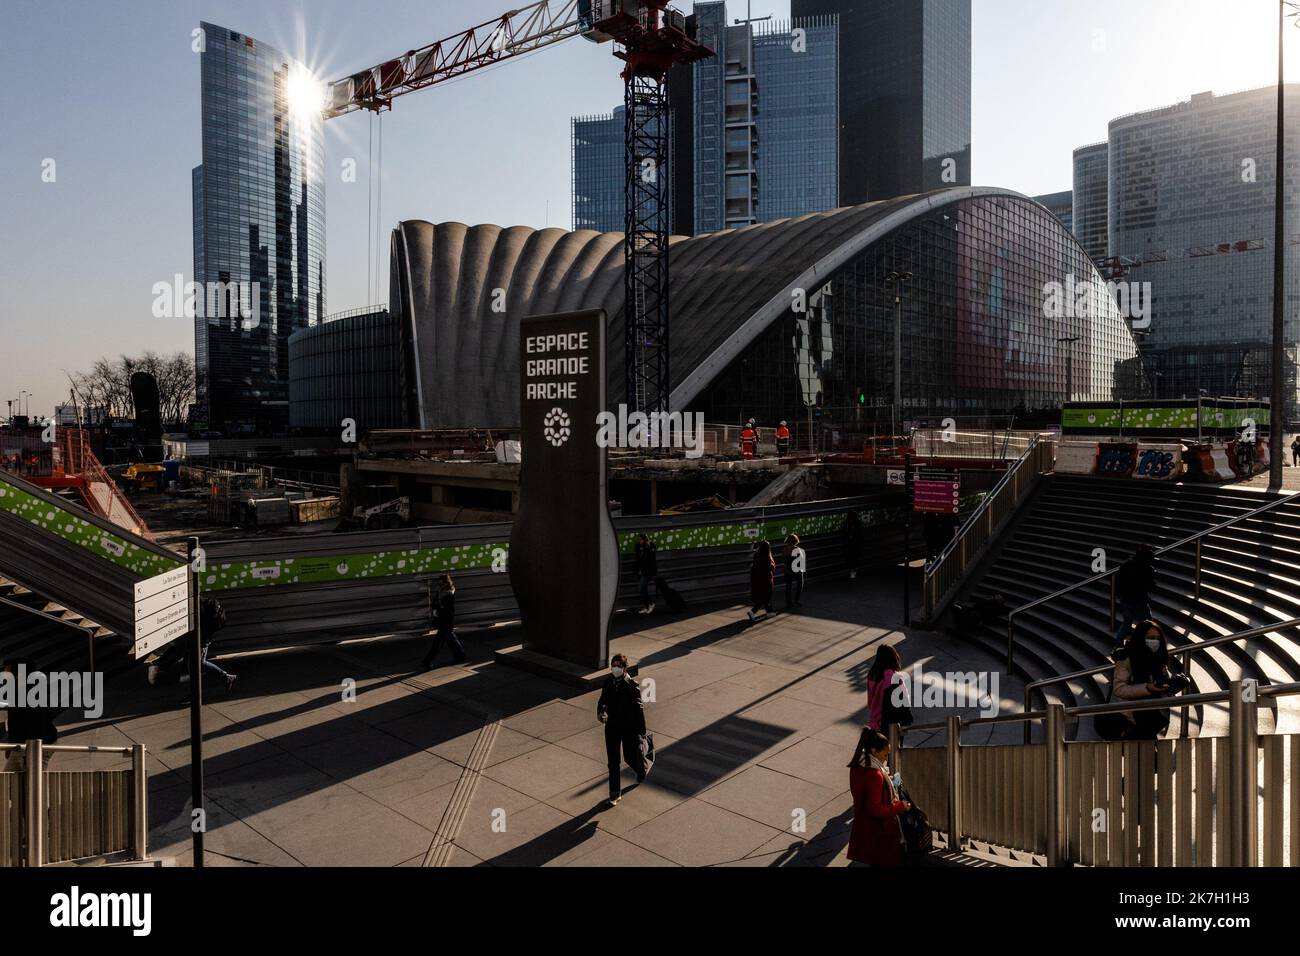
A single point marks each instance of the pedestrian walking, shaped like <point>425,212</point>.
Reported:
<point>876,837</point>
<point>212,618</point>
<point>445,624</point>
<point>888,702</point>
<point>796,565</point>
<point>647,570</point>
<point>762,579</point>
<point>1295,451</point>
<point>621,711</point>
<point>1134,582</point>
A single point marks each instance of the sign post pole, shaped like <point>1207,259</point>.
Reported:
<point>198,817</point>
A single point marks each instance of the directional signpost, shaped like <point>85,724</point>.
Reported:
<point>937,491</point>
<point>162,610</point>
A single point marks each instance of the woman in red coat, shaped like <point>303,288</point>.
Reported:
<point>876,838</point>
<point>762,579</point>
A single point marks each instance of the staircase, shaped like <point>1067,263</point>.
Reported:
<point>1250,577</point>
<point>50,645</point>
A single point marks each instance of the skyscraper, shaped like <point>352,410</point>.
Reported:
<point>1191,206</point>
<point>600,169</point>
<point>1091,196</point>
<point>905,94</point>
<point>1060,205</point>
<point>753,133</point>
<point>765,119</point>
<point>259,228</point>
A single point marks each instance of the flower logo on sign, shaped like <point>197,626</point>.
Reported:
<point>556,428</point>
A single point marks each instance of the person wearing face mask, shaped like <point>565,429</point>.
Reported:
<point>876,838</point>
<point>1142,672</point>
<point>623,715</point>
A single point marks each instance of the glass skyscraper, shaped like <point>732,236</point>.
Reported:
<point>766,120</point>
<point>1091,194</point>
<point>753,137</point>
<point>1060,205</point>
<point>1191,211</point>
<point>905,94</point>
<point>259,227</point>
<point>599,171</point>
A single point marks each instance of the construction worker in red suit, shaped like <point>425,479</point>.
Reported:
<point>783,439</point>
<point>748,440</point>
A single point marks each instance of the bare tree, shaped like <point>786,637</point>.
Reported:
<point>108,384</point>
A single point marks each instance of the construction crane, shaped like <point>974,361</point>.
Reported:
<point>650,37</point>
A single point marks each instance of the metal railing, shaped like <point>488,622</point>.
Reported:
<point>322,481</point>
<point>1110,573</point>
<point>1193,802</point>
<point>103,496</point>
<point>1184,655</point>
<point>945,572</point>
<point>53,816</point>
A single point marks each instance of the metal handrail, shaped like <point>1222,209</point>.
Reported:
<point>983,506</point>
<point>1184,653</point>
<point>942,576</point>
<point>1197,537</point>
<point>1118,707</point>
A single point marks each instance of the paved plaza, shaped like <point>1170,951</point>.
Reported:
<point>487,764</point>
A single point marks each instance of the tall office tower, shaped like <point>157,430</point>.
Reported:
<point>1191,211</point>
<point>599,164</point>
<point>1091,197</point>
<point>765,120</point>
<point>598,172</point>
<point>259,230</point>
<point>905,94</point>
<point>1061,205</point>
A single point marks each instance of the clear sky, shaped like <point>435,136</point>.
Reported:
<point>110,92</point>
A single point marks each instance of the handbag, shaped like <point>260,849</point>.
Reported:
<point>917,832</point>
<point>891,713</point>
<point>647,743</point>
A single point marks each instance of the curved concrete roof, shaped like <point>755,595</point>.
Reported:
<point>460,291</point>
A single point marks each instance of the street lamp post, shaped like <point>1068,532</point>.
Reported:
<point>894,281</point>
<point>1277,414</point>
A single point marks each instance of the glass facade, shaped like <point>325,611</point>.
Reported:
<point>349,367</point>
<point>904,94</point>
<point>1191,212</point>
<point>1091,198</point>
<point>980,336</point>
<point>259,223</point>
<point>599,170</point>
<point>1060,205</point>
<point>765,120</point>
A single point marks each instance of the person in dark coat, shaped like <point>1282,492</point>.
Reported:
<point>876,838</point>
<point>1134,582</point>
<point>762,579</point>
<point>621,711</point>
<point>445,624</point>
<point>212,618</point>
<point>647,569</point>
<point>27,723</point>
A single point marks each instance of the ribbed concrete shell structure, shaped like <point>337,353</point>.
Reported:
<point>459,293</point>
